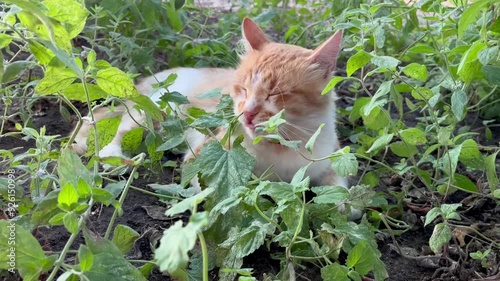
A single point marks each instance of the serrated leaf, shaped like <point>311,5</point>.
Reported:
<point>385,61</point>
<point>189,203</point>
<point>361,258</point>
<point>76,92</point>
<point>177,241</point>
<point>440,236</point>
<point>248,239</point>
<point>85,257</point>
<point>413,136</point>
<point>345,165</point>
<point>380,142</point>
<point>71,14</point>
<point>458,103</point>
<point>357,61</point>
<point>110,267</point>
<point>310,143</point>
<point>28,253</point>
<point>223,169</point>
<point>417,71</point>
<point>106,129</point>
<point>330,194</point>
<point>124,238</point>
<point>335,272</point>
<point>55,79</point>
<point>116,82</point>
<point>71,222</point>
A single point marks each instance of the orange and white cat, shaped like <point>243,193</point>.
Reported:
<point>270,77</point>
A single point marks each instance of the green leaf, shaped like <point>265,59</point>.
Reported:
<point>332,84</point>
<point>422,49</point>
<point>330,194</point>
<point>55,79</point>
<point>458,103</point>
<point>469,16</point>
<point>361,258</point>
<point>177,241</point>
<point>417,71</point>
<point>357,107</point>
<point>112,267</point>
<point>432,215</point>
<point>28,254</point>
<point>370,179</point>
<point>487,55</point>
<point>449,211</point>
<point>143,102</point>
<point>76,92</point>
<point>450,160</point>
<point>383,90</point>
<point>491,174</point>
<point>357,61</point>
<point>124,238</point>
<point>132,140</point>
<point>174,97</point>
<point>440,236</point>
<point>46,209</point>
<point>464,183</point>
<point>335,272</point>
<point>57,219</point>
<point>41,53</point>
<point>402,149</point>
<point>116,82</point>
<point>222,169</point>
<point>248,239</point>
<point>5,40</point>
<point>106,129</point>
<point>102,196</point>
<point>189,203</point>
<point>413,136</point>
<point>71,222</point>
<point>71,14</point>
<point>422,93</point>
<point>492,74</point>
<point>345,165</point>
<point>68,197</point>
<point>85,257</point>
<point>470,155</point>
<point>385,61</point>
<point>310,143</point>
<point>380,142</point>
<point>46,28</point>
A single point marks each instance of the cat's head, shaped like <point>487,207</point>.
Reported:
<point>273,76</point>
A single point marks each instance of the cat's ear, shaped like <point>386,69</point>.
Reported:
<point>327,53</point>
<point>252,33</point>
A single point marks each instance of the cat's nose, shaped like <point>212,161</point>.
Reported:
<point>249,116</point>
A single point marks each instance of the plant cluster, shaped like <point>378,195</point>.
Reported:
<point>421,83</point>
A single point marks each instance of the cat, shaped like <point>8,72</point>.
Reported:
<point>270,77</point>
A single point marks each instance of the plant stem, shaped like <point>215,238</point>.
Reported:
<point>122,197</point>
<point>204,252</point>
<point>72,238</point>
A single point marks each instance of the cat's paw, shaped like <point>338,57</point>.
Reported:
<point>112,150</point>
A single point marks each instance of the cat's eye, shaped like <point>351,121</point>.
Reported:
<point>273,94</point>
